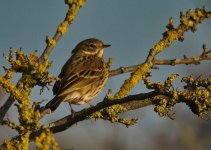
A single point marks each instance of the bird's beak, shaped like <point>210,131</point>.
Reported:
<point>105,46</point>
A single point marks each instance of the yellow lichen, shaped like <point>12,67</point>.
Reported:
<point>170,79</point>
<point>63,27</point>
<point>128,122</point>
<point>46,141</point>
<point>132,81</point>
<point>97,115</point>
<point>188,21</point>
<point>9,73</point>
<point>77,2</point>
<point>161,107</point>
<point>75,6</point>
<point>10,88</point>
<point>50,41</point>
<point>33,73</point>
<point>8,145</point>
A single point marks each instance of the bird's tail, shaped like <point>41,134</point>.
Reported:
<point>53,104</point>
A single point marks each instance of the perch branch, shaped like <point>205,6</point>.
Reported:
<point>66,122</point>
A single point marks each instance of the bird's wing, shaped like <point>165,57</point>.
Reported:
<point>81,74</point>
<point>57,84</point>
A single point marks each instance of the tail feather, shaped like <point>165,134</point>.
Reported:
<point>53,104</point>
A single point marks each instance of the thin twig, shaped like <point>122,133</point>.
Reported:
<point>173,62</point>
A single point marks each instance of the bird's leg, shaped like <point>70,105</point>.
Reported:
<point>72,111</point>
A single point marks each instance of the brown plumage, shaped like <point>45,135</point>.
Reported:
<point>83,76</point>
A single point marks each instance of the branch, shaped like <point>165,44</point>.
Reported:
<point>196,96</point>
<point>188,21</point>
<point>162,100</point>
<point>69,19</point>
<point>192,60</point>
<point>66,122</point>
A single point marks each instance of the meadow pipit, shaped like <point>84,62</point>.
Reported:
<point>83,75</point>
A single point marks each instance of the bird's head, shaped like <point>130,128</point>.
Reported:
<point>90,47</point>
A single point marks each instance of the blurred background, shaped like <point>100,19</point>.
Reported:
<point>132,28</point>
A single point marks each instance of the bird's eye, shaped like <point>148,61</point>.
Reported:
<point>91,45</point>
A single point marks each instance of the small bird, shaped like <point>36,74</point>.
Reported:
<point>83,75</point>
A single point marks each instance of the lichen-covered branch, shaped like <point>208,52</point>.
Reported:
<point>74,6</point>
<point>197,96</point>
<point>46,141</point>
<point>34,71</point>
<point>164,97</point>
<point>188,22</point>
<point>66,122</point>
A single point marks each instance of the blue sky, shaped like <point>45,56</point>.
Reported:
<point>131,27</point>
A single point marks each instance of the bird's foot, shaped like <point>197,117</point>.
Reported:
<point>73,113</point>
